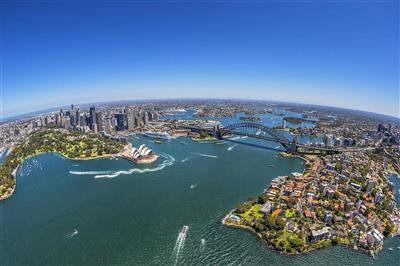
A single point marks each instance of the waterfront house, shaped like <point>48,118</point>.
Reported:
<point>266,207</point>
<point>321,234</point>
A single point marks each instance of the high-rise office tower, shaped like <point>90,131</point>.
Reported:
<point>82,120</point>
<point>99,121</point>
<point>108,126</point>
<point>92,117</point>
<point>146,118</point>
<point>120,122</point>
<point>77,117</point>
<point>138,119</point>
<point>130,119</point>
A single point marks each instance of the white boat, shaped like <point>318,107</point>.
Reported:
<point>2,151</point>
<point>184,230</point>
<point>157,135</point>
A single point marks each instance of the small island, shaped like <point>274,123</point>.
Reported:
<point>71,144</point>
<point>250,118</point>
<point>295,120</point>
<point>340,199</point>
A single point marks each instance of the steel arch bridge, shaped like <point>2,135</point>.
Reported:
<point>256,130</point>
<point>259,131</point>
<point>248,129</point>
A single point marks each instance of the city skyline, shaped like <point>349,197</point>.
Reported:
<point>60,53</point>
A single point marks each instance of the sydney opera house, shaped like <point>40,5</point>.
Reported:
<point>140,152</point>
<point>142,155</point>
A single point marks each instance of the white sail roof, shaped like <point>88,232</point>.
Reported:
<point>141,148</point>
<point>147,152</point>
<point>143,151</point>
<point>133,151</point>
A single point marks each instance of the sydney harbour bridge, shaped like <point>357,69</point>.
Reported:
<point>259,131</point>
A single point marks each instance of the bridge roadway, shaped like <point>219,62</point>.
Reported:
<point>285,143</point>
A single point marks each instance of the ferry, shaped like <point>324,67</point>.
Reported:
<point>157,135</point>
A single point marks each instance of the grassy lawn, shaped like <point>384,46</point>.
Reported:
<point>252,212</point>
<point>290,212</point>
<point>287,240</point>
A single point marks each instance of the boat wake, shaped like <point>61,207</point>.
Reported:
<point>168,161</point>
<point>234,138</point>
<point>88,172</point>
<point>206,155</point>
<point>180,243</point>
<point>74,233</point>
<point>231,147</point>
<point>244,137</point>
<point>184,160</point>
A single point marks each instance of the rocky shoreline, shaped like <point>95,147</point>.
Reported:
<point>225,222</point>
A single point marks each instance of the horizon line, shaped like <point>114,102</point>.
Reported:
<point>47,110</point>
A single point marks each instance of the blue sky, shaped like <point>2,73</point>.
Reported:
<point>337,54</point>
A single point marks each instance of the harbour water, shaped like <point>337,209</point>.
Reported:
<point>113,212</point>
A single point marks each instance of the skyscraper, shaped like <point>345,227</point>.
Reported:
<point>146,118</point>
<point>130,119</point>
<point>82,120</point>
<point>120,122</point>
<point>92,117</point>
<point>58,120</point>
<point>99,121</point>
<point>138,119</point>
<point>107,126</point>
<point>77,118</point>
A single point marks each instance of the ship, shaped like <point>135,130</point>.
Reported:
<point>157,135</point>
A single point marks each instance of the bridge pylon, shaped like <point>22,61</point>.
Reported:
<point>217,132</point>
<point>293,145</point>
